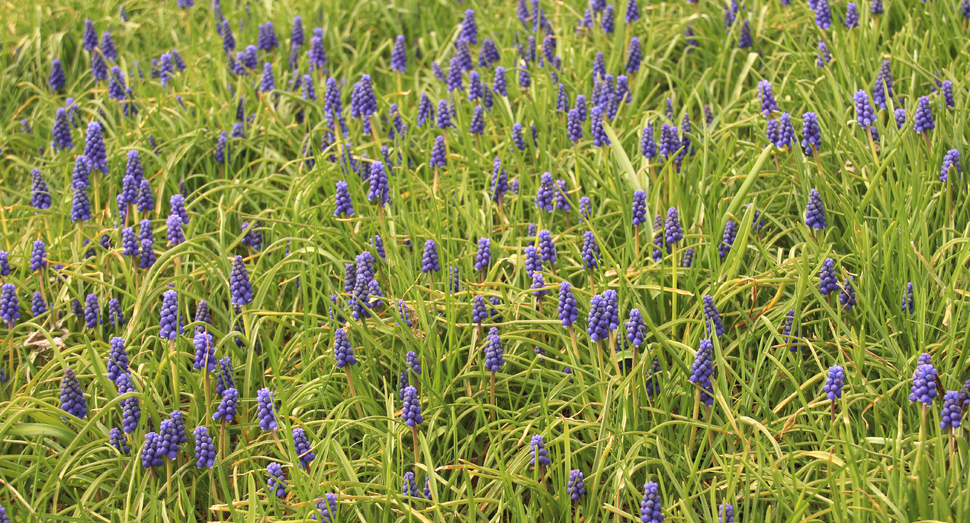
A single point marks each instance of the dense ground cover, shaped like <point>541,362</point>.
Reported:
<point>704,279</point>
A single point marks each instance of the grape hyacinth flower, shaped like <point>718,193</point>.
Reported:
<point>205,449</point>
<point>327,509</point>
<point>532,260</point>
<point>379,189</point>
<point>789,328</point>
<point>483,258</point>
<point>829,282</point>
<point>811,132</point>
<point>598,319</point>
<point>712,317</point>
<point>702,370</point>
<point>94,148</point>
<point>266,412</point>
<point>57,80</point>
<point>876,7</point>
<point>900,117</point>
<point>429,258</point>
<point>117,359</point>
<point>413,362</point>
<point>537,449</point>
<point>169,321</point>
<point>538,286</point>
<point>590,251</point>
<point>175,234</point>
<point>72,397</point>
<point>239,286</point>
<point>688,258</point>
<point>923,117</point>
<point>669,141</point>
<point>545,193</point>
<point>951,413</point>
<point>851,16</point>
<point>205,351</point>
<point>636,330</point>
<point>303,448</point>
<point>585,207</point>
<point>607,24</point>
<point>517,138</point>
<point>224,379</point>
<point>151,454</point>
<point>500,184</point>
<point>276,481</point>
<point>672,229</point>
<point>639,208</point>
<point>116,440</point>
<point>438,158</point>
<point>342,351</point>
<point>494,355</point>
<point>924,384</point>
<point>477,125</point>
<point>38,256</point>
<point>650,509</point>
<point>947,89</point>
<point>146,201</point>
<point>863,110</point>
<point>834,383</point>
<point>411,412</point>
<point>744,38</point>
<point>823,14</point>
<point>727,241</point>
<point>574,126</point>
<point>908,304</point>
<point>951,161</point>
<point>398,55</point>
<point>847,296</point>
<point>479,314</point>
<point>768,104</point>
<point>92,312</point>
<point>726,513</point>
<point>648,147</point>
<point>226,411</point>
<point>600,139</point>
<point>568,311</point>
<point>547,248</point>
<point>61,133</point>
<point>116,317</point>
<point>575,487</point>
<point>815,211</point>
<point>344,205</point>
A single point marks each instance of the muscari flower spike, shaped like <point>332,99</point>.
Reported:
<point>712,317</point>
<point>847,296</point>
<point>727,241</point>
<point>923,117</point>
<point>702,370</point>
<point>636,330</point>
<point>494,354</point>
<point>266,412</point>
<point>951,162</point>
<point>547,248</point>
<point>303,448</point>
<point>411,412</point>
<point>834,383</point>
<point>651,510</point>
<point>205,449</point>
<point>924,384</point>
<point>226,411</point>
<point>205,351</point>
<point>908,304</point>
<point>829,282</point>
<point>342,351</point>
<point>815,211</point>
<point>823,14</point>
<point>768,104</point>
<point>537,449</point>
<point>575,487</point>
<point>277,481</point>
<point>951,413</point>
<point>590,251</point>
<point>72,397</point>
